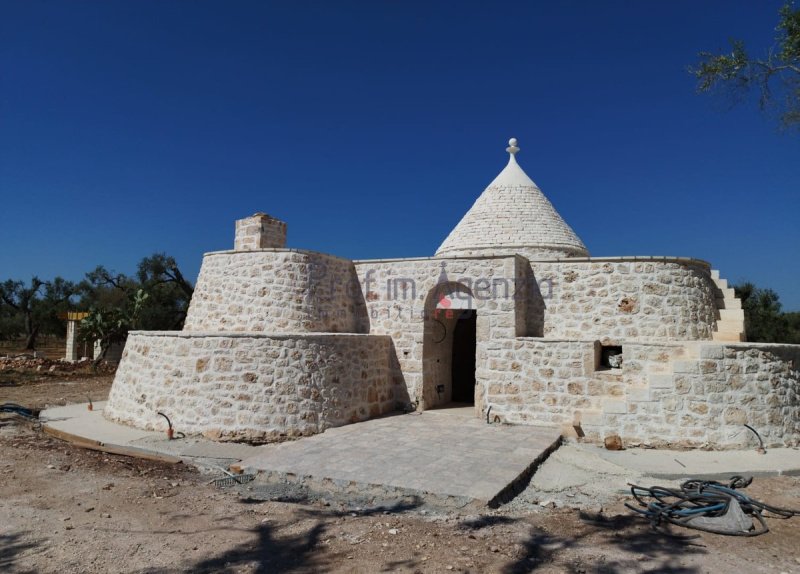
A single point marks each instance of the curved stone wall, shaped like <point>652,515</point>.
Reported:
<point>251,387</point>
<point>614,300</point>
<point>277,291</point>
<point>665,394</point>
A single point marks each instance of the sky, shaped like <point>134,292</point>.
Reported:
<point>134,127</point>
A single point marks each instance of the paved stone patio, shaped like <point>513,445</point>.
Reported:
<point>445,452</point>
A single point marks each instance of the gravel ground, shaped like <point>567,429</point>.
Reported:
<point>65,509</point>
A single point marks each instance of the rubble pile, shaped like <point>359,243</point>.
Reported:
<point>29,362</point>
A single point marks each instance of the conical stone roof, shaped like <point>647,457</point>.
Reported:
<point>512,216</point>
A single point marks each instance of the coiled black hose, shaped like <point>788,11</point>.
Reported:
<point>707,498</point>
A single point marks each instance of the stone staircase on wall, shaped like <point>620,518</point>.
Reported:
<point>730,315</point>
<point>658,376</point>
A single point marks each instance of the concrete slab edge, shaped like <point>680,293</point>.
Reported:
<point>722,476</point>
<point>292,487</point>
<point>122,450</point>
<point>516,486</point>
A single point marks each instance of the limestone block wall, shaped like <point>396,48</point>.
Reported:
<point>733,384</point>
<point>687,394</point>
<point>276,291</point>
<point>611,300</point>
<point>616,299</point>
<point>250,386</point>
<point>259,232</point>
<point>400,303</point>
<point>540,381</point>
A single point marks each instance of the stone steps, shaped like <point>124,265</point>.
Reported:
<point>728,336</point>
<point>723,303</point>
<point>730,315</point>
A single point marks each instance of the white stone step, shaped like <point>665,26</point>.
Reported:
<point>721,283</point>
<point>731,315</point>
<point>727,336</point>
<point>726,293</point>
<point>715,274</point>
<point>723,303</point>
<point>736,325</point>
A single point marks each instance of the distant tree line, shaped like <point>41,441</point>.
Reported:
<point>155,298</point>
<point>764,320</point>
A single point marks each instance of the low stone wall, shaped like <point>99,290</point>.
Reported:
<point>252,387</point>
<point>538,381</point>
<point>685,394</point>
<point>736,384</point>
<point>277,291</point>
<point>613,300</point>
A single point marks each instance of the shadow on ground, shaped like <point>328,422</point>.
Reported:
<point>633,545</point>
<point>591,544</point>
<point>301,552</point>
<point>11,546</point>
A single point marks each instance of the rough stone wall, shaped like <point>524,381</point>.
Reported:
<point>538,381</point>
<point>734,384</point>
<point>252,387</point>
<point>398,300</point>
<point>259,232</point>
<point>694,394</point>
<point>276,291</point>
<point>617,300</point>
<point>608,300</point>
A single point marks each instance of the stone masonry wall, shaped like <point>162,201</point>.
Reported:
<point>733,384</point>
<point>276,291</point>
<point>616,300</point>
<point>608,300</point>
<point>400,304</point>
<point>259,232</point>
<point>700,394</point>
<point>252,387</point>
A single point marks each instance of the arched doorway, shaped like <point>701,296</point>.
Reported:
<point>448,355</point>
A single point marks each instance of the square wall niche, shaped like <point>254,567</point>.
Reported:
<point>607,357</point>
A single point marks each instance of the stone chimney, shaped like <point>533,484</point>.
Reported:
<point>259,231</point>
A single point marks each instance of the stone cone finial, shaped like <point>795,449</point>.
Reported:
<point>512,146</point>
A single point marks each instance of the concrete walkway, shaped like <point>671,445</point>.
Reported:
<point>714,465</point>
<point>78,421</point>
<point>446,452</point>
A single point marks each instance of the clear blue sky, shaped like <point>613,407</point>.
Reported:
<point>370,127</point>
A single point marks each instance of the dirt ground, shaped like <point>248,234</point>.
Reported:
<point>65,509</point>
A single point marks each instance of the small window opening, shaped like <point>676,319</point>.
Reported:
<point>608,357</point>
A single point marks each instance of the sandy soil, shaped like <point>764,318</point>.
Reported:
<point>64,509</point>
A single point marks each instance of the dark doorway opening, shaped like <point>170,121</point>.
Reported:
<point>463,365</point>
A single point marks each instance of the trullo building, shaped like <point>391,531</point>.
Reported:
<point>511,314</point>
